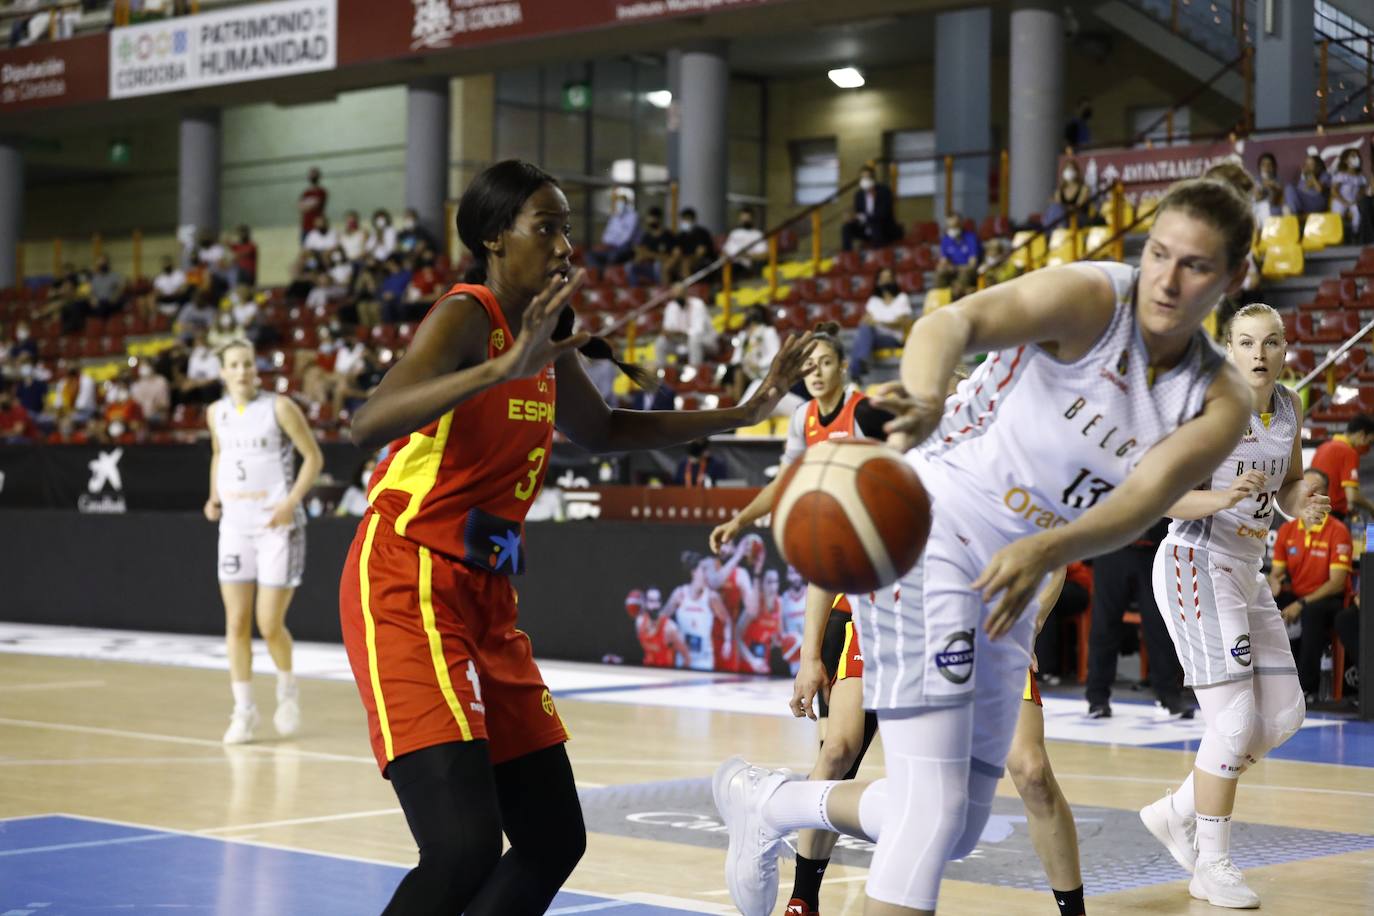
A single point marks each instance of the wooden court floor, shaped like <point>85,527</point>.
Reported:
<point>139,743</point>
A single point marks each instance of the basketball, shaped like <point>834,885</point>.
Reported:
<point>851,516</point>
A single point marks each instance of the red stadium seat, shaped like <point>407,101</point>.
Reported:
<point>927,231</point>
<point>861,285</point>
<point>925,258</point>
<point>911,281</point>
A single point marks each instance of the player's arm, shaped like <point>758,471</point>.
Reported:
<point>297,428</point>
<point>673,636</point>
<point>585,418</point>
<point>1049,596</point>
<point>446,363</point>
<point>1166,472</point>
<point>1295,498</point>
<point>746,617</point>
<point>718,608</point>
<point>212,502</point>
<point>1202,503</point>
<point>758,507</point>
<point>812,678</point>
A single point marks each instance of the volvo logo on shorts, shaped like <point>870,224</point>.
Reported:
<point>956,662</point>
<point>230,564</point>
<point>1241,650</point>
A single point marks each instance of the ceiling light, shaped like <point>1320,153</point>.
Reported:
<point>659,98</point>
<point>846,78</point>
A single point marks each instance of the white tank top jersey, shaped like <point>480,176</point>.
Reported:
<point>793,612</point>
<point>256,463</point>
<point>1044,440</point>
<point>695,619</point>
<point>1242,530</point>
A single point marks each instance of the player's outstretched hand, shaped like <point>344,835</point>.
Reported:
<point>534,348</point>
<point>811,680</point>
<point>723,534</point>
<point>914,416</point>
<point>1014,572</point>
<point>783,373</point>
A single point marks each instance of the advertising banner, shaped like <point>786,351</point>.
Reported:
<point>54,74</point>
<point>374,31</point>
<point>236,45</point>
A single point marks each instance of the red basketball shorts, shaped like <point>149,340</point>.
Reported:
<point>436,653</point>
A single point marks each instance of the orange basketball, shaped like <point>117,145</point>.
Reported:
<point>851,516</point>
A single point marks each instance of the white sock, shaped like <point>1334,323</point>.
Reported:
<point>286,684</point>
<point>243,694</point>
<point>1213,838</point>
<point>799,803</point>
<point>1182,799</point>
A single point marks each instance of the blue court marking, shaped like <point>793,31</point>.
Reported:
<point>1349,743</point>
<point>52,865</point>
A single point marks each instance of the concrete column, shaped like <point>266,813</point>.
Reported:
<point>427,137</point>
<point>701,91</point>
<point>963,93</point>
<point>198,172</point>
<point>1285,66</point>
<point>11,210</point>
<point>1036,94</point>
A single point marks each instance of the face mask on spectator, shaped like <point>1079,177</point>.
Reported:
<point>1353,162</point>
<point>145,371</point>
<point>26,371</point>
<point>1070,175</point>
<point>686,225</point>
<point>380,222</point>
<point>952,232</point>
<point>867,183</point>
<point>116,428</point>
<point>337,257</point>
<point>407,223</point>
<point>21,333</point>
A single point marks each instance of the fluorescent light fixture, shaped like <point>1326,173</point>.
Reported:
<point>659,98</point>
<point>846,78</point>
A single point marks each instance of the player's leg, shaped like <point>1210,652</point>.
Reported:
<point>448,794</point>
<point>1111,592</point>
<point>1048,816</point>
<point>1278,694</point>
<point>237,584</point>
<point>281,564</point>
<point>1166,677</point>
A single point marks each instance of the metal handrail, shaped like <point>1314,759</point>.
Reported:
<point>1335,354</point>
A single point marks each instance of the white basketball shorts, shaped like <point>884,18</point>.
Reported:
<point>272,557</point>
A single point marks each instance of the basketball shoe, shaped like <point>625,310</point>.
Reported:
<point>241,724</point>
<point>751,862</point>
<point>1177,832</point>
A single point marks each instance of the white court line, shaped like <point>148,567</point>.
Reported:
<point>100,761</point>
<point>1249,786</point>
<point>178,739</point>
<point>52,685</point>
<point>64,846</point>
<point>379,812</point>
<point>589,907</point>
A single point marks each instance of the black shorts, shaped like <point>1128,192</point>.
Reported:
<point>834,643</point>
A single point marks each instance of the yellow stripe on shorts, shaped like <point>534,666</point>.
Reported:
<point>436,644</point>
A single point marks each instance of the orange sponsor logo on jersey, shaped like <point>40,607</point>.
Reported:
<point>1245,531</point>
<point>529,411</point>
<point>1023,504</point>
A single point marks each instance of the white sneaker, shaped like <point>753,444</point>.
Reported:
<point>241,725</point>
<point>1220,883</point>
<point>1175,831</point>
<point>751,862</point>
<point>287,718</point>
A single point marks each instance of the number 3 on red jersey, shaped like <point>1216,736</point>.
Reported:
<point>525,489</point>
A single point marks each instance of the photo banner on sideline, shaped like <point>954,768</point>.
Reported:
<point>237,45</point>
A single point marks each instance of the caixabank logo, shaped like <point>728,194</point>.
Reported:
<point>105,490</point>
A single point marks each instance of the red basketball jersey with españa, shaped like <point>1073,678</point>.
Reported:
<point>462,485</point>
<point>842,427</point>
<point>653,637</point>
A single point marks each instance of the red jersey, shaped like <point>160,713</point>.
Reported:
<point>1340,462</point>
<point>764,629</point>
<point>653,636</point>
<point>732,596</point>
<point>1309,554</point>
<point>463,484</point>
<point>842,427</point>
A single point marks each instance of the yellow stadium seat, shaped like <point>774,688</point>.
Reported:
<point>1097,237</point>
<point>1036,250</point>
<point>779,426</point>
<point>1282,260</point>
<point>1064,254</point>
<point>782,294</point>
<point>1321,230</point>
<point>794,270</point>
<point>1277,230</point>
<point>762,428</point>
<point>1145,212</point>
<point>1127,214</point>
<point>937,298</point>
<point>1061,238</point>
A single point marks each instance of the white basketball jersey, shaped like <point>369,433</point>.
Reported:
<point>696,619</point>
<point>1043,440</point>
<point>793,613</point>
<point>256,463</point>
<point>1242,530</point>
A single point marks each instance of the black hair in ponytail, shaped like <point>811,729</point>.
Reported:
<point>489,207</point>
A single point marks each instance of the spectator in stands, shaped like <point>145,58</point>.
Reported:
<point>323,291</point>
<point>201,382</point>
<point>383,235</point>
<point>224,330</point>
<point>74,393</point>
<point>1311,191</point>
<point>1078,133</point>
<point>412,236</point>
<point>873,220</point>
<point>366,293</point>
<point>315,368</point>
<point>997,266</point>
<point>1071,195</point>
<point>1338,459</point>
<point>653,258</point>
<point>357,387</point>
<point>695,248</point>
<point>152,393</point>
<point>123,417</point>
<point>754,353</point>
<point>15,423</point>
<point>244,306</point>
<point>23,342</point>
<point>424,286</point>
<point>198,314</point>
<point>699,468</point>
<point>960,254</point>
<point>30,389</point>
<point>311,203</point>
<point>887,319</point>
<point>55,22</point>
<point>321,239</point>
<point>745,246</point>
<point>687,329</point>
<point>107,289</point>
<point>355,240</point>
<point>340,268</point>
<point>245,258</point>
<point>392,290</point>
<point>210,253</point>
<point>350,360</point>
<point>1309,580</point>
<point>1268,193</point>
<point>68,431</point>
<point>603,374</point>
<point>621,234</point>
<point>1348,186</point>
<point>170,290</point>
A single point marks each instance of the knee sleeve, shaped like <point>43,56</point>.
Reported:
<point>981,789</point>
<point>1281,713</point>
<point>1233,724</point>
<point>873,807</point>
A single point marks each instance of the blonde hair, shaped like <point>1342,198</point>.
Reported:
<point>236,342</point>
<point>1256,310</point>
